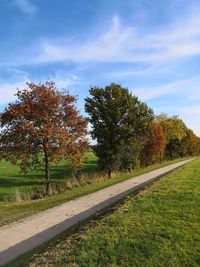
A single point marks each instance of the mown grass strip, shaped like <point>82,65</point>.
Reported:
<point>160,226</point>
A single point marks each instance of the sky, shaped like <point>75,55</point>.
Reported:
<point>150,46</point>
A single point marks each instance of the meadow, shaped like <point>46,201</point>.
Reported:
<point>11,178</point>
<point>158,227</point>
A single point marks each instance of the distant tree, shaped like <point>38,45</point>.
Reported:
<point>189,144</point>
<point>154,146</point>
<point>118,120</point>
<point>41,127</point>
<point>198,146</point>
<point>175,130</point>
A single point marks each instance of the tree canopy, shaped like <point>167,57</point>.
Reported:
<point>40,127</point>
<point>118,119</point>
<point>154,145</point>
<point>175,130</point>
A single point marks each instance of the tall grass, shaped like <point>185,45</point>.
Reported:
<point>38,192</point>
<point>24,194</point>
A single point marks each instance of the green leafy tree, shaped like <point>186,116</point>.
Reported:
<point>118,120</point>
<point>189,144</point>
<point>175,130</point>
<point>130,155</point>
<point>198,146</point>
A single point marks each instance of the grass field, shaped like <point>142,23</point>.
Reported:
<point>13,211</point>
<point>11,178</point>
<point>159,227</point>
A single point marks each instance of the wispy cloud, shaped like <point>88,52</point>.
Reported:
<point>26,6</point>
<point>191,115</point>
<point>9,89</point>
<point>19,78</point>
<point>141,71</point>
<point>104,48</point>
<point>159,46</point>
<point>190,111</point>
<point>186,87</point>
<point>65,80</point>
<point>128,44</point>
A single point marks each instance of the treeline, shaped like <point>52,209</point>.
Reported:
<point>129,134</point>
<point>44,126</point>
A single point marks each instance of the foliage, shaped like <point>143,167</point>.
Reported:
<point>118,118</point>
<point>154,145</point>
<point>175,130</point>
<point>173,127</point>
<point>129,155</point>
<point>189,144</point>
<point>40,127</point>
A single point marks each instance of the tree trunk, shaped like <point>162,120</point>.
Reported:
<point>170,153</point>
<point>47,175</point>
<point>109,173</point>
<point>160,157</point>
<point>130,168</point>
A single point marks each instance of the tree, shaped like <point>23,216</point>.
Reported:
<point>118,119</point>
<point>129,154</point>
<point>77,157</point>
<point>41,127</point>
<point>154,146</point>
<point>198,146</point>
<point>189,144</point>
<point>175,130</point>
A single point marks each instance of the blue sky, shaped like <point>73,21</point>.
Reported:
<point>152,47</point>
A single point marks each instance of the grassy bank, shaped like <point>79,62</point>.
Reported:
<point>10,212</point>
<point>160,226</point>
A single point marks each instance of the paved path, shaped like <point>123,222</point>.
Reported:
<point>19,238</point>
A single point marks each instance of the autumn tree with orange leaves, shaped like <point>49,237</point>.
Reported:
<point>42,126</point>
<point>154,146</point>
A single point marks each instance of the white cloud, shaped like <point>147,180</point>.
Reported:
<point>185,87</point>
<point>129,44</point>
<point>65,80</point>
<point>26,6</point>
<point>104,48</point>
<point>143,71</point>
<point>159,47</point>
<point>19,79</point>
<point>190,111</point>
<point>8,91</point>
<point>8,88</point>
<point>191,116</point>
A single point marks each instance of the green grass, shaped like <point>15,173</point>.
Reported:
<point>158,227</point>
<point>10,212</point>
<point>11,178</point>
